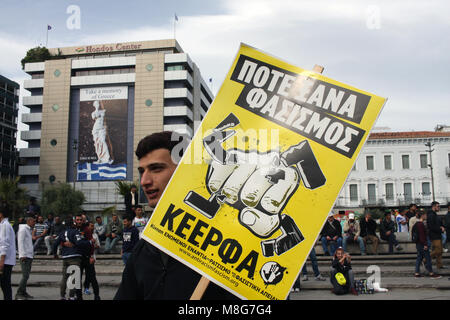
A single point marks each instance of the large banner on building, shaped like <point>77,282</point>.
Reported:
<point>102,141</point>
<point>256,184</point>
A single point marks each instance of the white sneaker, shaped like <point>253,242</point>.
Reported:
<point>305,278</point>
<point>320,278</point>
<point>445,250</point>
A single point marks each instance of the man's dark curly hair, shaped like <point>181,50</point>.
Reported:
<point>158,140</point>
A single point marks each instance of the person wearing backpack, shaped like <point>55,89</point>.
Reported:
<point>419,236</point>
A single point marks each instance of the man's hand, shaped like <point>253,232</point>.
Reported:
<point>355,238</point>
<point>91,260</point>
<point>67,244</point>
<point>113,235</point>
<point>335,238</point>
<point>257,184</point>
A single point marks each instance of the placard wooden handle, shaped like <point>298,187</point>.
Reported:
<point>202,285</point>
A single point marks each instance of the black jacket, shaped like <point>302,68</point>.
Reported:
<point>447,222</point>
<point>150,274</point>
<point>332,230</point>
<point>434,224</point>
<point>386,226</point>
<point>367,228</point>
<point>127,200</point>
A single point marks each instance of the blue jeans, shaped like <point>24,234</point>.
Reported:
<point>125,257</point>
<point>315,266</point>
<point>333,245</point>
<point>110,244</point>
<point>422,253</point>
<point>360,241</point>
<point>392,241</point>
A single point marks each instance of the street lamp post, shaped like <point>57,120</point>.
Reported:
<point>429,145</point>
<point>75,162</point>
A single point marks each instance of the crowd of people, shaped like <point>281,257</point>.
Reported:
<point>427,230</point>
<point>75,239</point>
<point>152,274</point>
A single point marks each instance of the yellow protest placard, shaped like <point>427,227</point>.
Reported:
<point>256,184</point>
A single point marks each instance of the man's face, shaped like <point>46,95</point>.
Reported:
<point>127,223</point>
<point>40,219</point>
<point>78,221</point>
<point>31,222</point>
<point>436,207</point>
<point>57,220</point>
<point>114,218</point>
<point>99,220</point>
<point>388,217</point>
<point>413,208</point>
<point>133,189</point>
<point>139,212</point>
<point>156,169</point>
<point>368,216</point>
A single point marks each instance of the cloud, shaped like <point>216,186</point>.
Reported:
<point>405,59</point>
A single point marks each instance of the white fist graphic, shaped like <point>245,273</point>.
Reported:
<point>259,185</point>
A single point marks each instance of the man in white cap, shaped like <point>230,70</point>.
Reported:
<point>352,233</point>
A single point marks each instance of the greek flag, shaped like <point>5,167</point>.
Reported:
<point>93,171</point>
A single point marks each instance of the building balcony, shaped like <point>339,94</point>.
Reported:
<point>31,117</point>
<point>30,135</point>
<point>34,67</point>
<point>33,83</point>
<point>178,93</point>
<point>178,75</point>
<point>32,100</point>
<point>178,58</point>
<point>180,128</point>
<point>28,170</point>
<point>30,153</point>
<point>178,111</point>
<point>103,62</point>
<point>103,79</point>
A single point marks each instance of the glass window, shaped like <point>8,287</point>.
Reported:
<point>389,191</point>
<point>353,192</point>
<point>371,193</point>
<point>426,190</point>
<point>405,161</point>
<point>388,162</point>
<point>370,163</point>
<point>407,191</point>
<point>423,161</point>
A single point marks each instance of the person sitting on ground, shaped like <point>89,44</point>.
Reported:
<point>331,235</point>
<point>39,232</point>
<point>387,232</point>
<point>342,277</point>
<point>56,229</point>
<point>100,228</point>
<point>368,228</point>
<point>419,231</point>
<point>352,233</point>
<point>113,233</point>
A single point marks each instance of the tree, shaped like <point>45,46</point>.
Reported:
<point>39,54</point>
<point>13,196</point>
<point>62,199</point>
<point>123,187</point>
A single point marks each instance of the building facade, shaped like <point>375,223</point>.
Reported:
<point>9,99</point>
<point>393,170</point>
<point>91,105</point>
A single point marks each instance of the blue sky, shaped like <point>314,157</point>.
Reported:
<point>396,49</point>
